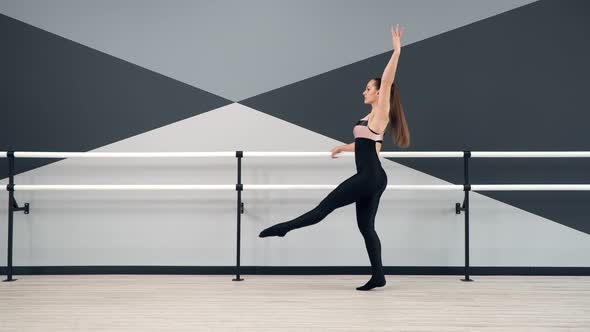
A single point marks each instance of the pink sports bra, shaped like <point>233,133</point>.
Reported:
<point>361,129</point>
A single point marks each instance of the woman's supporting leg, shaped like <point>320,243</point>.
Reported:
<point>346,193</point>
<point>366,210</point>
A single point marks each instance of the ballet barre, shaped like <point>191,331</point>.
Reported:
<point>400,187</point>
<point>13,206</point>
<point>392,154</point>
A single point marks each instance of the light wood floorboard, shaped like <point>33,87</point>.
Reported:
<point>293,303</point>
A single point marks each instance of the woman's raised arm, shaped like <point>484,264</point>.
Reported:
<point>382,111</point>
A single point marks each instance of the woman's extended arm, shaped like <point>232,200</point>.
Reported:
<point>338,149</point>
<point>382,110</point>
<point>348,147</point>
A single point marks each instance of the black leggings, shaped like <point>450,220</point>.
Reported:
<point>365,189</point>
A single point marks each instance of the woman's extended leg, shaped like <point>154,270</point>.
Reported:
<point>346,193</point>
<point>366,210</point>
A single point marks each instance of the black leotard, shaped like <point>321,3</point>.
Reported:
<point>363,188</point>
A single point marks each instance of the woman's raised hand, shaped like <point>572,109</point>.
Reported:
<point>396,35</point>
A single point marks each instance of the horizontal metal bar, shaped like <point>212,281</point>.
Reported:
<point>526,187</point>
<point>530,154</point>
<point>413,154</point>
<point>331,186</point>
<point>427,187</point>
<point>123,154</point>
<point>392,154</point>
<point>23,187</point>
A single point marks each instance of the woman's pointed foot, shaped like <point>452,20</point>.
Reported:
<point>276,230</point>
<point>372,283</point>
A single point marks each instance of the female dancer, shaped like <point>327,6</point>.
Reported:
<point>366,186</point>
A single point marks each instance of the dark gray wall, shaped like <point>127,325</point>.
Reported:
<point>513,82</point>
<point>58,95</point>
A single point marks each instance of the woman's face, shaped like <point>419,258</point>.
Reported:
<point>371,93</point>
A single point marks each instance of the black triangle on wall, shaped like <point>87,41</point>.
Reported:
<point>512,82</point>
<point>58,95</point>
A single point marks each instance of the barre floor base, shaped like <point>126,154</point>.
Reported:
<point>294,303</point>
<point>301,270</point>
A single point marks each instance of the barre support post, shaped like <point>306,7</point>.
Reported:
<point>11,202</point>
<point>467,189</point>
<point>239,211</point>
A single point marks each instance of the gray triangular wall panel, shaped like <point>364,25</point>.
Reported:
<point>238,49</point>
<point>197,228</point>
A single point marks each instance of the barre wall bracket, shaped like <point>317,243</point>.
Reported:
<point>459,208</point>
<point>10,187</point>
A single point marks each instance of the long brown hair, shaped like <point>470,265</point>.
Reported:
<point>397,118</point>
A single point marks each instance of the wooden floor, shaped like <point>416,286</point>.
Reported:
<point>293,303</point>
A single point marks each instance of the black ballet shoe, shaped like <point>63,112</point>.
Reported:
<point>372,283</point>
<point>275,230</point>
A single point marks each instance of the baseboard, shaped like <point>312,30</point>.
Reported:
<point>302,270</point>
